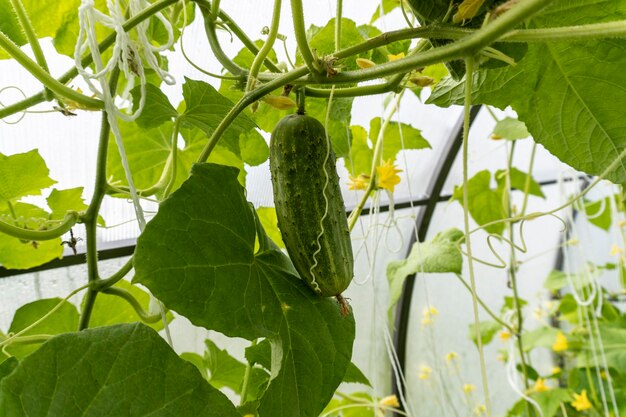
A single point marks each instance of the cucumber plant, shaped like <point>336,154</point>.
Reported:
<point>208,255</point>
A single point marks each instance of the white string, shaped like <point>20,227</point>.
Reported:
<point>125,56</point>
<point>512,378</point>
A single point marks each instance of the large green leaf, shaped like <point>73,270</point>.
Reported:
<point>225,371</point>
<point>323,41</point>
<point>50,18</point>
<point>123,370</point>
<point>197,256</point>
<point>569,94</point>
<point>518,181</point>
<point>205,108</point>
<point>157,108</point>
<point>361,153</point>
<point>65,319</point>
<point>441,254</point>
<point>484,203</point>
<point>338,121</point>
<point>23,174</point>
<point>149,149</point>
<point>397,137</point>
<point>22,254</point>
<point>598,212</point>
<point>62,201</point>
<point>7,366</point>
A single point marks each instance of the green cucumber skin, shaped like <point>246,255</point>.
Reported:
<point>297,152</point>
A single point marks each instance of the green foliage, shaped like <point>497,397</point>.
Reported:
<point>214,259</point>
<point>18,253</point>
<point>585,133</point>
<point>397,136</point>
<point>510,129</point>
<point>113,369</point>
<point>485,204</point>
<point>599,213</point>
<point>23,174</point>
<point>264,297</point>
<point>439,255</point>
<point>63,320</point>
<point>486,329</point>
<point>109,309</point>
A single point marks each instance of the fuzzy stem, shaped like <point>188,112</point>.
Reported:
<point>70,219</point>
<point>130,299</point>
<point>300,31</point>
<point>267,47</point>
<point>29,31</point>
<point>469,64</point>
<point>46,79</point>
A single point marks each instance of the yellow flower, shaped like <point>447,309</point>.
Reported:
<point>581,402</point>
<point>365,63</point>
<point>621,224</point>
<point>480,409</point>
<point>393,57</point>
<point>390,401</point>
<point>451,356</point>
<point>279,102</point>
<point>467,388</point>
<point>538,313</point>
<point>428,314</point>
<point>387,175</point>
<point>556,370</point>
<point>358,183</point>
<point>615,250</point>
<point>425,372</point>
<point>504,335</point>
<point>540,386</point>
<point>560,344</point>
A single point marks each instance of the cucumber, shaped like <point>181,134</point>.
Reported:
<point>298,149</point>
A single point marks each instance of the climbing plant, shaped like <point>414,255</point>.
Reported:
<point>209,256</point>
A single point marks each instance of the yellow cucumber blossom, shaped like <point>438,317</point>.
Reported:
<point>581,402</point>
<point>560,343</point>
<point>389,401</point>
<point>365,63</point>
<point>467,388</point>
<point>425,372</point>
<point>387,175</point>
<point>395,57</point>
<point>540,386</point>
<point>451,356</point>
<point>504,335</point>
<point>358,183</point>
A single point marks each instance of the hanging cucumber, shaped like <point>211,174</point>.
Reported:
<point>310,210</point>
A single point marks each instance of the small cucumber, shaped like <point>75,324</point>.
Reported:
<point>307,197</point>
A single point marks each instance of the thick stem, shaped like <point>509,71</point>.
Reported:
<point>130,299</point>
<point>245,385</point>
<point>71,218</point>
<point>91,215</point>
<point>300,31</point>
<point>267,47</point>
<point>338,21</point>
<point>42,75</point>
<point>469,64</point>
<point>103,284</point>
<point>459,49</point>
<point>29,31</point>
<point>88,59</point>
